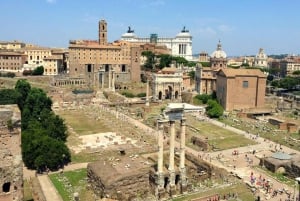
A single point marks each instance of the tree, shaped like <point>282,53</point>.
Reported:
<point>203,98</point>
<point>214,109</point>
<point>8,96</point>
<point>192,75</point>
<point>165,60</point>
<point>40,151</point>
<point>38,70</point>
<point>150,62</point>
<point>297,72</point>
<point>23,88</point>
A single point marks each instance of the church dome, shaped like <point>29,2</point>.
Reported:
<point>219,53</point>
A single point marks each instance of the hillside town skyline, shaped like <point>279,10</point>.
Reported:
<point>243,28</point>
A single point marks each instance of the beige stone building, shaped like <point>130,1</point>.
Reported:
<point>12,61</point>
<point>167,84</point>
<point>205,77</point>
<point>53,64</point>
<point>238,89</point>
<point>289,65</point>
<point>11,45</point>
<point>11,165</point>
<point>103,64</point>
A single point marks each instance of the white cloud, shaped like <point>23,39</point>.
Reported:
<point>51,1</point>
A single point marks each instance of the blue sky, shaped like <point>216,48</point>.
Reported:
<point>243,26</point>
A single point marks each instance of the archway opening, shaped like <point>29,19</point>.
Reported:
<point>176,94</point>
<point>177,179</point>
<point>167,181</point>
<point>6,187</point>
<point>160,95</point>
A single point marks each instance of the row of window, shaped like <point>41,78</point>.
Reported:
<point>7,68</point>
<point>13,64</point>
<point>10,57</point>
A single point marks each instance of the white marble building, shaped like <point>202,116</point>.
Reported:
<point>181,45</point>
<point>261,59</point>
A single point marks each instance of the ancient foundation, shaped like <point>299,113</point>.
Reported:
<point>11,168</point>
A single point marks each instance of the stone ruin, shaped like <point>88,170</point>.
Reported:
<point>137,177</point>
<point>279,161</point>
<point>11,168</point>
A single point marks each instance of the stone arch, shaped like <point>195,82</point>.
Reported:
<point>6,187</point>
<point>159,95</point>
<point>177,179</point>
<point>176,94</point>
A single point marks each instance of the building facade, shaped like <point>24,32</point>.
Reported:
<point>205,77</point>
<point>167,84</point>
<point>181,45</point>
<point>238,89</point>
<point>218,59</point>
<point>289,65</point>
<point>103,64</point>
<point>261,59</point>
<point>12,61</point>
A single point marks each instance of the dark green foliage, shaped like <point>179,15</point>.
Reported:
<point>40,151</point>
<point>205,64</point>
<point>27,72</point>
<point>43,132</point>
<point>38,70</point>
<point>128,94</point>
<point>270,77</point>
<point>214,109</point>
<point>297,72</point>
<point>150,62</point>
<point>8,96</point>
<point>8,74</point>
<point>286,83</point>
<point>165,60</point>
<point>192,64</point>
<point>203,98</point>
<point>22,87</point>
<point>192,75</point>
<point>140,95</point>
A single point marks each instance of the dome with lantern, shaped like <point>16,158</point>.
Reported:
<point>219,53</point>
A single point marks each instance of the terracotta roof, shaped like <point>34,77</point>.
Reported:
<point>230,72</point>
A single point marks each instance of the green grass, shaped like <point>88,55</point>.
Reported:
<point>241,189</point>
<point>82,124</point>
<point>220,137</point>
<point>76,179</point>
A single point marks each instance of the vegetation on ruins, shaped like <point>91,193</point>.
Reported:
<point>214,109</point>
<point>43,133</point>
<point>154,62</point>
<point>286,83</point>
<point>37,71</point>
<point>8,74</point>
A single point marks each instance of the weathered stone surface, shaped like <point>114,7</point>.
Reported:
<point>11,166</point>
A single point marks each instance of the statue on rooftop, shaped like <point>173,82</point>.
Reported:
<point>130,30</point>
<point>184,30</point>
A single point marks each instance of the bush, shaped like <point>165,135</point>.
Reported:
<point>8,74</point>
<point>27,72</point>
<point>140,95</point>
<point>214,109</point>
<point>38,71</point>
<point>128,94</point>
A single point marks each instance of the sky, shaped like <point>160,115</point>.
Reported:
<point>242,26</point>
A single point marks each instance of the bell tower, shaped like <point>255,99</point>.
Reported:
<point>102,32</point>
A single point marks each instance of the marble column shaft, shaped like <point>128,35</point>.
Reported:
<point>172,145</point>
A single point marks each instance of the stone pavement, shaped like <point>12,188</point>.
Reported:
<point>48,189</point>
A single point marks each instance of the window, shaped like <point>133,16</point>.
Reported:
<point>245,84</point>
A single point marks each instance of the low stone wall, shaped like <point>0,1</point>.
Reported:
<point>202,143</point>
<point>126,188</point>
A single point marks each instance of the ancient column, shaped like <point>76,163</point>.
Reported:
<point>113,80</point>
<point>160,147</point>
<point>172,147</point>
<point>147,94</point>
<point>182,153</point>
<point>109,77</point>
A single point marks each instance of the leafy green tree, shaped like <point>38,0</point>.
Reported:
<point>297,72</point>
<point>8,96</point>
<point>23,88</point>
<point>205,64</point>
<point>150,62</point>
<point>192,75</point>
<point>165,60</point>
<point>180,60</point>
<point>40,151</point>
<point>214,109</point>
<point>38,70</point>
<point>203,98</point>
